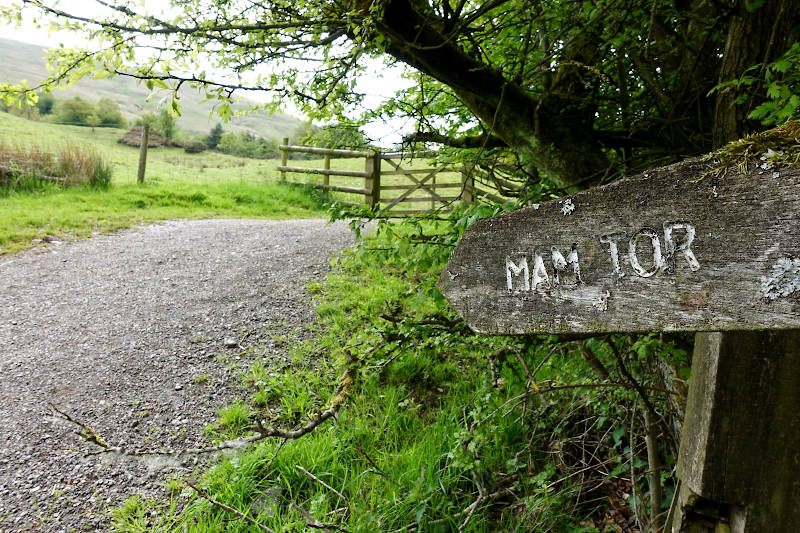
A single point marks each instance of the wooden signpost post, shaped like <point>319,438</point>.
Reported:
<point>669,251</point>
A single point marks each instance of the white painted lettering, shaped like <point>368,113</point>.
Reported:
<point>657,261</point>
<point>611,240</point>
<point>560,265</point>
<point>684,245</point>
<point>539,273</point>
<point>513,270</point>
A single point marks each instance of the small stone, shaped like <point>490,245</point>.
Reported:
<point>230,342</point>
<point>178,386</point>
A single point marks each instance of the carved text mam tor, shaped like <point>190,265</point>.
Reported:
<point>678,237</point>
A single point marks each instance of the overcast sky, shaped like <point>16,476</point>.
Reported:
<point>377,88</point>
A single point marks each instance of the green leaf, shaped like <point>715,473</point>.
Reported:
<point>752,5</point>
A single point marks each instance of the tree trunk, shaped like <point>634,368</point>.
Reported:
<point>754,38</point>
<point>552,133</point>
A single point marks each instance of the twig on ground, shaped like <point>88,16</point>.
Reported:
<point>203,494</point>
<point>275,455</point>
<point>477,503</point>
<point>487,499</point>
<point>343,392</point>
<point>318,480</point>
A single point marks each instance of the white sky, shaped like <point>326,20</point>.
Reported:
<point>376,87</point>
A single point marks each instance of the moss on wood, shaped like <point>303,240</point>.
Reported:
<point>776,147</point>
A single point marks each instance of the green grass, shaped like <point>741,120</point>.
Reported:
<point>422,422</point>
<point>178,185</point>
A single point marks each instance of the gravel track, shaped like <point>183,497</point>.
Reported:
<point>131,333</point>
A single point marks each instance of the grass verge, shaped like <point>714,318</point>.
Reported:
<point>444,430</point>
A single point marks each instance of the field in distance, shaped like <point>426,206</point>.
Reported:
<point>178,185</point>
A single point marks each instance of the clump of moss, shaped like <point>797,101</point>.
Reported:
<point>776,147</point>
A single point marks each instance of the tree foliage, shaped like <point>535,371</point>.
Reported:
<point>579,92</point>
<point>246,144</point>
<point>105,112</point>
<point>214,136</point>
<point>338,136</point>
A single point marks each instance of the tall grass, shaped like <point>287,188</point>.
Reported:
<point>32,166</point>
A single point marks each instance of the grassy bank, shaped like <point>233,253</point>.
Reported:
<point>178,185</point>
<point>441,430</point>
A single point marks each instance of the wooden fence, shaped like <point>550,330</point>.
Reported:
<point>390,180</point>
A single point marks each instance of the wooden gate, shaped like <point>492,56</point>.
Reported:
<point>399,183</point>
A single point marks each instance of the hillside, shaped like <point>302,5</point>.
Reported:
<point>26,61</point>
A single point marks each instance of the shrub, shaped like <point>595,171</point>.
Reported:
<point>247,145</point>
<point>194,147</point>
<point>74,111</point>
<point>109,113</point>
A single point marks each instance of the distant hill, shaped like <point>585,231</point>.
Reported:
<point>26,61</point>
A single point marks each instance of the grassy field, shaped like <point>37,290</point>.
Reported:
<point>178,185</point>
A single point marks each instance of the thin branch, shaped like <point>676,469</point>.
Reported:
<point>318,480</point>
<point>343,393</point>
<point>468,141</point>
<point>203,494</point>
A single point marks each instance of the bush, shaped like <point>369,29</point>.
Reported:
<point>109,114</point>
<point>214,136</point>
<point>248,145</point>
<point>74,111</point>
<point>46,103</point>
<point>77,111</point>
<point>194,147</point>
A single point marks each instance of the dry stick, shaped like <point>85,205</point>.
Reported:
<point>638,387</point>
<point>592,360</point>
<point>489,498</point>
<point>343,393</point>
<point>203,494</point>
<point>275,455</point>
<point>636,508</point>
<point>318,480</point>
<point>375,467</point>
<point>478,501</point>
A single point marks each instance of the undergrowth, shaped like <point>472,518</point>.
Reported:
<point>442,430</point>
<point>30,167</point>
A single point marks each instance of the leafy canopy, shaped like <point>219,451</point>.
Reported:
<point>581,91</point>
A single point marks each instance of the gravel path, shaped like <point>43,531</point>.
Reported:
<point>132,334</point>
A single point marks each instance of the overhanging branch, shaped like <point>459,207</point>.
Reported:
<point>467,141</point>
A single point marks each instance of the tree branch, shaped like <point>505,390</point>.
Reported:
<point>469,141</point>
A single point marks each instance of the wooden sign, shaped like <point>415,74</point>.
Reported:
<point>662,251</point>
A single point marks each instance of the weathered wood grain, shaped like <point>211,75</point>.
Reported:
<point>710,255</point>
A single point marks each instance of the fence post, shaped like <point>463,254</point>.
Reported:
<point>467,187</point>
<point>143,152</point>
<point>372,181</point>
<point>326,178</point>
<point>433,188</point>
<point>284,157</point>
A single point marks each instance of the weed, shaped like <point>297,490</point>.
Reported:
<point>232,421</point>
<point>28,167</point>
